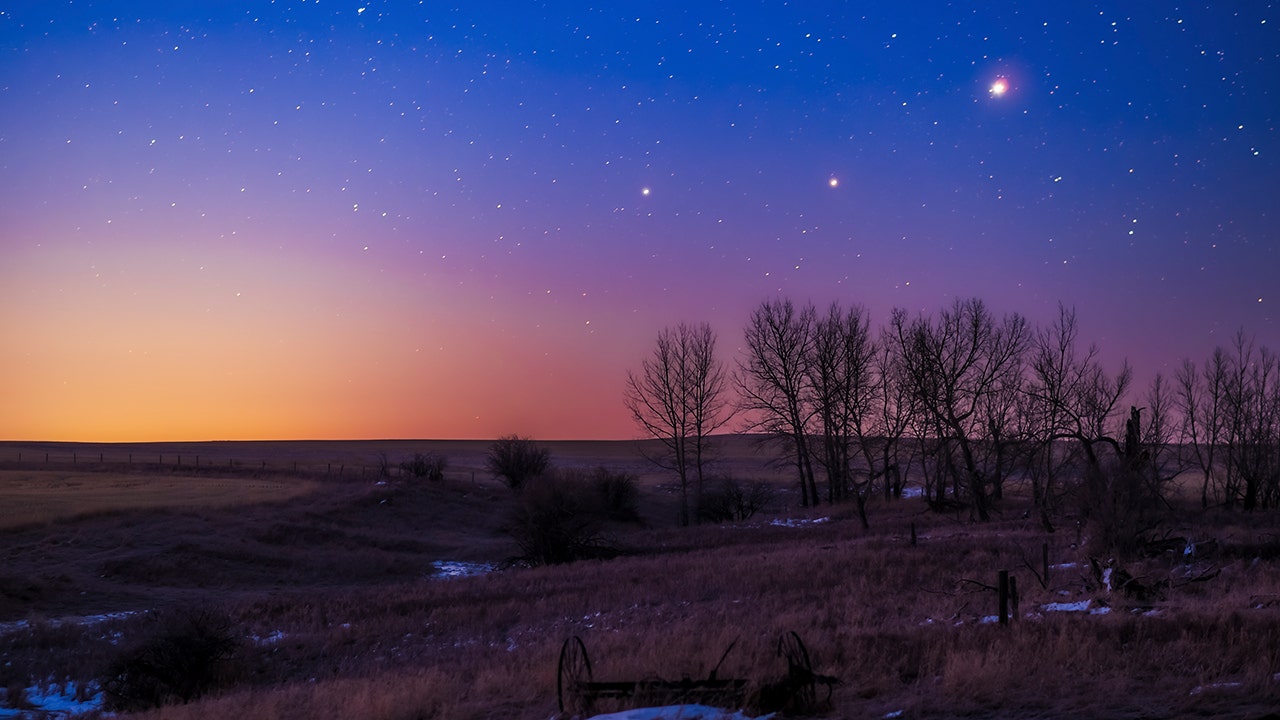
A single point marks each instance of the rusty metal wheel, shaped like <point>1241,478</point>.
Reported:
<point>573,675</point>
<point>800,676</point>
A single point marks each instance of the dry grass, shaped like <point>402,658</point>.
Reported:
<point>336,587</point>
<point>30,497</point>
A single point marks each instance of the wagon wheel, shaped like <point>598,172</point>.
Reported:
<point>573,674</point>
<point>800,676</point>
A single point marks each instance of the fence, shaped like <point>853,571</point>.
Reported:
<point>187,463</point>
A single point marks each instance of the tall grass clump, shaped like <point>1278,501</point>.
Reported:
<point>559,517</point>
<point>426,465</point>
<point>188,656</point>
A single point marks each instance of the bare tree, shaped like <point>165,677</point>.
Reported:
<point>773,382</point>
<point>1162,440</point>
<point>955,364</point>
<point>844,394</point>
<point>895,410</point>
<point>1072,398</point>
<point>1200,401</point>
<point>517,460</point>
<point>678,397</point>
<point>1253,425</point>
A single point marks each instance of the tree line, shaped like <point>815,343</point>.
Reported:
<point>966,402</point>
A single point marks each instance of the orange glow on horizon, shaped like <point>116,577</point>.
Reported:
<point>149,344</point>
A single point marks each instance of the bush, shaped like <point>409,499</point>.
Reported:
<point>430,466</point>
<point>558,518</point>
<point>517,460</point>
<point>728,500</point>
<point>189,656</point>
<point>617,494</point>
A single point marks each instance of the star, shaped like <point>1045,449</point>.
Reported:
<point>834,182</point>
<point>999,87</point>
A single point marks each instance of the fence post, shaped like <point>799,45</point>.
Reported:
<point>1044,562</point>
<point>1002,586</point>
<point>1013,597</point>
<point>99,457</point>
<point>913,534</point>
<point>73,458</point>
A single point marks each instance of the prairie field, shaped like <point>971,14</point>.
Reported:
<point>354,593</point>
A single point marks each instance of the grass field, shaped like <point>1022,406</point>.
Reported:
<point>329,584</point>
<point>42,496</point>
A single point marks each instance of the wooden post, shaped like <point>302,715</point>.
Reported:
<point>328,468</point>
<point>73,458</point>
<point>1044,562</point>
<point>46,458</point>
<point>99,457</point>
<point>1013,597</point>
<point>913,534</point>
<point>130,458</point>
<point>1002,586</point>
<point>179,461</point>
<point>197,461</point>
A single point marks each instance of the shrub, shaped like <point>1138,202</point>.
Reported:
<point>558,518</point>
<point>383,465</point>
<point>517,460</point>
<point>15,696</point>
<point>189,656</point>
<point>728,500</point>
<point>430,466</point>
<point>617,494</point>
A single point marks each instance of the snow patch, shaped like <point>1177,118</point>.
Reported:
<point>799,522</point>
<point>1216,686</point>
<point>455,568</point>
<point>271,639</point>
<point>912,492</point>
<point>1080,606</point>
<point>8,628</point>
<point>55,702</point>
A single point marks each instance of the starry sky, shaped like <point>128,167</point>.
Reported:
<point>349,219</point>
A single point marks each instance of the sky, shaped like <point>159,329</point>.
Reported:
<point>348,219</point>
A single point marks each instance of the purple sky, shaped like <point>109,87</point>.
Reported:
<point>347,219</point>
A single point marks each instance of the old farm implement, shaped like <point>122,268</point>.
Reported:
<point>578,691</point>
